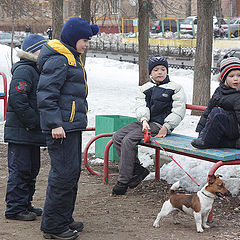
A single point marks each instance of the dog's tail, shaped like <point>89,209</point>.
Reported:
<point>174,187</point>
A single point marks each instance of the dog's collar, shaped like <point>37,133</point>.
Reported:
<point>213,197</point>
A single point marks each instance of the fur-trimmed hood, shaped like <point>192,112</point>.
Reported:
<point>27,55</point>
<point>26,59</point>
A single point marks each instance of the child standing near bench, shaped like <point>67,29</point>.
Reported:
<point>160,106</point>
<point>218,126</point>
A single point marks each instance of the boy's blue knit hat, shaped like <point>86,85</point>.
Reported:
<point>33,43</point>
<point>77,28</point>
<point>156,60</point>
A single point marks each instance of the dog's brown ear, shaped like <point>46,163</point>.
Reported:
<point>211,179</point>
<point>218,176</point>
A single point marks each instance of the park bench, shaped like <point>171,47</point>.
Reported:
<point>175,143</point>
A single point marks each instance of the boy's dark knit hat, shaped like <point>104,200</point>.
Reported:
<point>33,43</point>
<point>77,28</point>
<point>227,65</point>
<point>156,60</point>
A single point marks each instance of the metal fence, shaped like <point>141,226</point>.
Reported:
<point>132,49</point>
<point>119,47</point>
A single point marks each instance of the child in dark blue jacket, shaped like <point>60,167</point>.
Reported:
<point>219,124</point>
<point>22,132</point>
<point>62,93</point>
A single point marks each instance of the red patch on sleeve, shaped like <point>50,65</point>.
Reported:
<point>22,87</point>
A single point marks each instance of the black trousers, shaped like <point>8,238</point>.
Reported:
<point>23,167</point>
<point>63,179</point>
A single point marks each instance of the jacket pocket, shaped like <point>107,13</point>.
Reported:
<point>72,112</point>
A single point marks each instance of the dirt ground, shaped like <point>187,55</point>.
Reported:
<point>128,217</point>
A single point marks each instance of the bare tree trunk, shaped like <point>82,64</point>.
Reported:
<point>188,8</point>
<point>203,54</point>
<point>85,14</point>
<point>57,18</point>
<point>218,9</point>
<point>143,29</point>
<point>77,6</point>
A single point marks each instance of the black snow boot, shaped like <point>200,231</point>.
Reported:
<point>140,173</point>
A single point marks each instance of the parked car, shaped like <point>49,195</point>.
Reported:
<point>168,24</point>
<point>231,53</point>
<point>234,27</point>
<point>189,25</point>
<point>6,39</point>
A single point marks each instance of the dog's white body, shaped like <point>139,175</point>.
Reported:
<point>199,205</point>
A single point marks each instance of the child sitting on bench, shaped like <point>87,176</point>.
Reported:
<point>218,126</point>
<point>160,106</point>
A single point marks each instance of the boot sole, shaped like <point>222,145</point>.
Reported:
<point>21,218</point>
<point>118,193</point>
<point>77,229</point>
<point>54,236</point>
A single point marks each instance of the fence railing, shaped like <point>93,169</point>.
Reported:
<point>120,47</point>
<point>132,49</point>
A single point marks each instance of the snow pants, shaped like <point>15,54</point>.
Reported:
<point>221,130</point>
<point>125,141</point>
<point>63,179</point>
<point>23,167</point>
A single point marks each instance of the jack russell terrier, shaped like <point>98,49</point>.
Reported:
<point>199,204</point>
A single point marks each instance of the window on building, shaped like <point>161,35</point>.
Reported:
<point>115,6</point>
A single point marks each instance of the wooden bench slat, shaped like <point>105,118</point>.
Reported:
<point>182,144</point>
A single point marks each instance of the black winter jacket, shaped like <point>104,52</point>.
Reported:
<point>62,88</point>
<point>22,118</point>
<point>226,98</point>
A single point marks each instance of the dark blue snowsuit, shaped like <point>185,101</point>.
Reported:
<point>219,123</point>
<point>23,134</point>
<point>61,96</point>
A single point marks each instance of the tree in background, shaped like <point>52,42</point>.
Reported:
<point>57,18</point>
<point>85,11</point>
<point>170,8</point>
<point>188,8</point>
<point>18,9</point>
<point>203,54</point>
<point>143,29</point>
<point>217,9</point>
<point>85,14</point>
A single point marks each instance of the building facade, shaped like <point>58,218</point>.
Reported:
<point>108,14</point>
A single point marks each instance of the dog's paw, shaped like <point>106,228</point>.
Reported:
<point>206,226</point>
<point>156,224</point>
<point>200,230</point>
